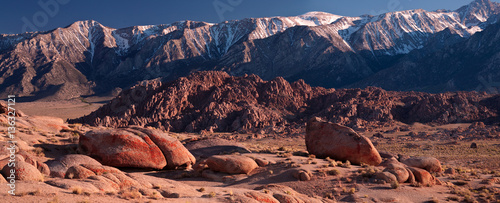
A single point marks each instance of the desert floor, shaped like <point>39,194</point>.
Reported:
<point>476,176</point>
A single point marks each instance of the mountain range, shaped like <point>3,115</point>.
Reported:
<point>432,51</point>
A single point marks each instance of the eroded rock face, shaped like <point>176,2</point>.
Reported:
<point>233,164</point>
<point>135,147</point>
<point>216,101</point>
<point>325,139</point>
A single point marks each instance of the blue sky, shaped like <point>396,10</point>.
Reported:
<point>26,15</point>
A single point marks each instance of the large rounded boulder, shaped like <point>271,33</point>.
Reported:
<point>424,177</point>
<point>23,171</point>
<point>135,147</point>
<point>325,139</point>
<point>174,151</point>
<point>399,171</point>
<point>430,164</point>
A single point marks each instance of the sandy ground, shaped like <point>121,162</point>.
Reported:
<point>63,109</point>
<point>38,136</point>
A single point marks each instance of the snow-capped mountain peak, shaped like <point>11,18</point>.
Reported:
<point>478,12</point>
<point>350,48</point>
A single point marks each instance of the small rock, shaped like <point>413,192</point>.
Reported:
<point>302,175</point>
<point>233,164</point>
<point>386,176</point>
<point>261,162</point>
<point>387,155</point>
<point>301,153</point>
<point>378,135</point>
<point>43,168</point>
<point>398,170</point>
<point>78,172</point>
<point>450,171</point>
<point>473,145</point>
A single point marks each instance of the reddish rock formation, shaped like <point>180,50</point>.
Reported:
<point>430,164</point>
<point>215,101</point>
<point>23,171</point>
<point>261,197</point>
<point>424,177</point>
<point>98,178</point>
<point>325,139</point>
<point>30,159</point>
<point>418,170</point>
<point>4,110</point>
<point>135,147</point>
<point>78,172</point>
<point>175,153</point>
<point>399,171</point>
<point>121,148</point>
<point>233,164</point>
<point>302,175</point>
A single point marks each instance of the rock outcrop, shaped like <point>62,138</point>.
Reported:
<point>415,172</point>
<point>424,177</point>
<point>216,101</point>
<point>23,171</point>
<point>430,164</point>
<point>97,178</point>
<point>59,166</point>
<point>135,147</point>
<point>325,139</point>
<point>233,164</point>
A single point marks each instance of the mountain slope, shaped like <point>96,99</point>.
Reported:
<point>324,49</point>
<point>470,65</point>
